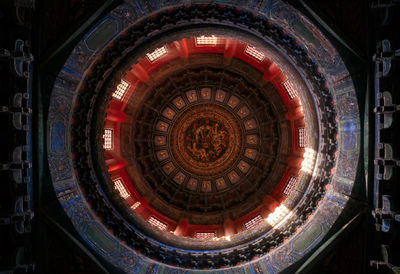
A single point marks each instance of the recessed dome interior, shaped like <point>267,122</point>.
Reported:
<point>205,142</point>
<point>204,148</point>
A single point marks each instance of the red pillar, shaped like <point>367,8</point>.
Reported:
<point>229,227</point>
<point>182,48</point>
<point>230,48</point>
<point>182,228</point>
<point>115,164</point>
<point>140,73</point>
<point>271,72</point>
<point>294,162</point>
<point>115,115</point>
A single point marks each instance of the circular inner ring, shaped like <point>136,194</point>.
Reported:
<point>206,140</point>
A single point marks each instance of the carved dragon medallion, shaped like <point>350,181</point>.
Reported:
<point>206,140</point>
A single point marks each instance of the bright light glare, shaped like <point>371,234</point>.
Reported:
<point>308,163</point>
<point>279,213</point>
<point>228,238</point>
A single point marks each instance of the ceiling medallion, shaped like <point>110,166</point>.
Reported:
<point>206,149</point>
<point>206,140</point>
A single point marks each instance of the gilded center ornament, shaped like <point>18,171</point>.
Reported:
<point>206,140</point>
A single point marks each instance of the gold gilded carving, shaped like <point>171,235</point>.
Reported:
<point>208,141</point>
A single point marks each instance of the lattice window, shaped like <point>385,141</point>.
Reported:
<point>253,52</point>
<point>108,139</point>
<point>157,53</point>
<point>121,89</point>
<point>136,205</point>
<point>157,223</point>
<point>205,235</point>
<point>290,185</point>
<point>253,222</point>
<point>206,40</point>
<point>289,89</point>
<point>301,135</point>
<point>119,185</point>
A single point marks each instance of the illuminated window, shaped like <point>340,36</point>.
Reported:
<point>157,223</point>
<point>290,185</point>
<point>206,40</point>
<point>253,222</point>
<point>135,205</point>
<point>289,89</point>
<point>108,139</point>
<point>301,135</point>
<point>253,52</point>
<point>121,89</point>
<point>121,188</point>
<point>157,53</point>
<point>205,235</point>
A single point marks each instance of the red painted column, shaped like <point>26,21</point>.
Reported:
<point>229,227</point>
<point>130,77</point>
<point>294,162</point>
<point>239,226</point>
<point>271,72</point>
<point>182,228</point>
<point>295,113</point>
<point>230,48</point>
<point>115,164</point>
<point>140,73</point>
<point>295,110</point>
<point>299,122</point>
<point>182,48</point>
<point>280,78</point>
<point>115,115</point>
<point>270,203</point>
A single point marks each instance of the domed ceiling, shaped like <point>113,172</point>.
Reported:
<point>203,136</point>
<point>201,148</point>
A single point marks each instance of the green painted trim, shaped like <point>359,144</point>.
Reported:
<point>307,238</point>
<point>100,239</point>
<point>328,245</point>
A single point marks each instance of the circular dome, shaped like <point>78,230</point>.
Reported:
<point>208,142</point>
<point>203,136</point>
